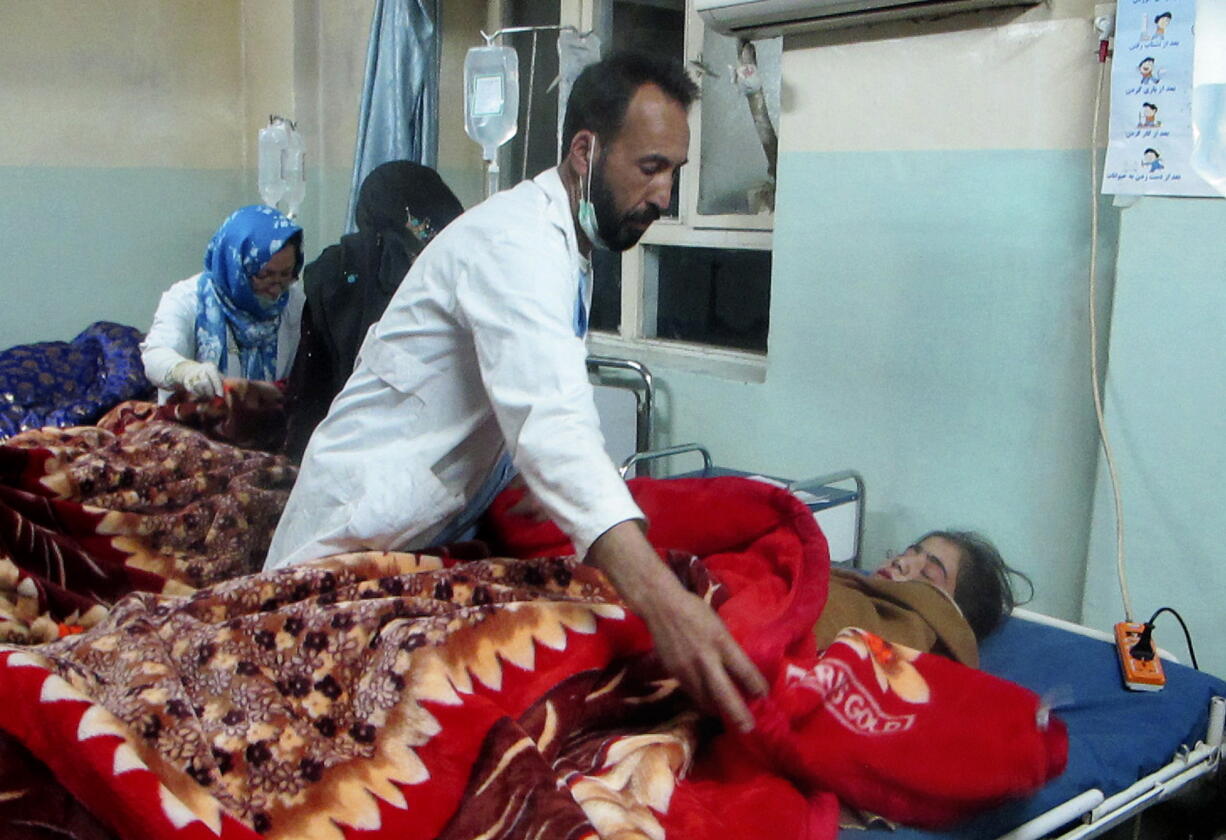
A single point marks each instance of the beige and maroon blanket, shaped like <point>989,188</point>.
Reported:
<point>414,696</point>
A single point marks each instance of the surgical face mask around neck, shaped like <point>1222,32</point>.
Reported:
<point>587,210</point>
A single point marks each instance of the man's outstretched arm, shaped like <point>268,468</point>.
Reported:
<point>690,639</point>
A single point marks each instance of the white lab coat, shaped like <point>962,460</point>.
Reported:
<point>172,338</point>
<point>476,355</point>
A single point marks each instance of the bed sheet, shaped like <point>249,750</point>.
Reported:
<point>1116,736</point>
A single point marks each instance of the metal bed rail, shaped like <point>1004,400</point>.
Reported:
<point>667,452</point>
<point>811,486</point>
<point>643,389</point>
<point>1099,813</point>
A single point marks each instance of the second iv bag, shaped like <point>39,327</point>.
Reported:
<point>491,97</point>
<point>282,173</point>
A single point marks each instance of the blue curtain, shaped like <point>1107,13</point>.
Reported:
<point>398,119</point>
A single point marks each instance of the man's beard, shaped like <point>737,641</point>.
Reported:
<point>618,231</point>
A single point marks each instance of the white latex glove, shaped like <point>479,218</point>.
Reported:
<point>200,379</point>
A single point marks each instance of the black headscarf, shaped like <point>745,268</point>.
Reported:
<point>401,206</point>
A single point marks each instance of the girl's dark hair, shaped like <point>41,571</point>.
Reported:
<point>600,96</point>
<point>984,591</point>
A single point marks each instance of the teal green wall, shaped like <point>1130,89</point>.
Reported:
<point>1166,414</point>
<point>86,244</point>
<point>928,328</point>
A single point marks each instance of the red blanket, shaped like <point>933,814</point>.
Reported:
<point>394,695</point>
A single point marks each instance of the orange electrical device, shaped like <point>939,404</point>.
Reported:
<point>1139,674</point>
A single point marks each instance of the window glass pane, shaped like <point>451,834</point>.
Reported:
<point>656,27</point>
<point>538,106</point>
<point>606,314</point>
<point>733,173</point>
<point>652,26</point>
<point>716,296</point>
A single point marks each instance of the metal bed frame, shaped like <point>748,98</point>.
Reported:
<point>632,376</point>
<point>816,487</point>
<point>1096,813</point>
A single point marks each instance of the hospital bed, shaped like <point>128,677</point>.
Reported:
<point>1128,751</point>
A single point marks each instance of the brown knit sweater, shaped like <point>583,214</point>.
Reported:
<point>912,613</point>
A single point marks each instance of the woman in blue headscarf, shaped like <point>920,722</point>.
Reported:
<point>239,318</point>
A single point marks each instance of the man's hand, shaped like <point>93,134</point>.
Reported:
<point>691,640</point>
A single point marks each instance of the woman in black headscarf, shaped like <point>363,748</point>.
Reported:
<point>401,206</point>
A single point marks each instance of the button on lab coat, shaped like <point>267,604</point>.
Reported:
<point>475,356</point>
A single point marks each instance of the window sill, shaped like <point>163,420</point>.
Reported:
<point>672,232</point>
<point>735,365</point>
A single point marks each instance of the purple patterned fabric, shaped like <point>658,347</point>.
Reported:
<point>57,383</point>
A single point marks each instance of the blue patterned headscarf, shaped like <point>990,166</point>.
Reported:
<point>241,247</point>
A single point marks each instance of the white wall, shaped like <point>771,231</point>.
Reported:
<point>121,155</point>
<point>131,131</point>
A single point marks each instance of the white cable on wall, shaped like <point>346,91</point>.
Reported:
<point>1094,378</point>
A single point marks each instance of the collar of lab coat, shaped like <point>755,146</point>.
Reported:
<point>563,217</point>
<point>560,213</point>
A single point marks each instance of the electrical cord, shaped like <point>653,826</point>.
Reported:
<point>1144,647</point>
<point>1094,377</point>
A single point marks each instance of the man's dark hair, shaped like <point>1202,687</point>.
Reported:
<point>602,93</point>
<point>983,590</point>
<point>1166,15</point>
<point>1151,151</point>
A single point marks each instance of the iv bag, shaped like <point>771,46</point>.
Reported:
<point>282,173</point>
<point>294,171</point>
<point>575,52</point>
<point>491,97</point>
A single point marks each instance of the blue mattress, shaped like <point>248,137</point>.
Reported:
<point>1116,736</point>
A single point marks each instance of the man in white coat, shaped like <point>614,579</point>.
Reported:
<point>480,362</point>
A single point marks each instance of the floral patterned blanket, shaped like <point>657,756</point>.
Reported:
<point>140,502</point>
<point>413,696</point>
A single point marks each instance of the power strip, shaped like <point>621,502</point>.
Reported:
<point>1139,674</point>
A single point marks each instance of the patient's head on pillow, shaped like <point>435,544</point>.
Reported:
<point>967,567</point>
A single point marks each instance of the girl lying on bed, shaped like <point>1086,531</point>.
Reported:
<point>968,596</point>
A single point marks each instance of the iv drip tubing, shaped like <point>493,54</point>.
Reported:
<point>523,169</point>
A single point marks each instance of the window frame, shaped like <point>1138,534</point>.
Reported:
<point>688,229</point>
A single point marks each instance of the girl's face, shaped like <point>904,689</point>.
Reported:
<point>935,560</point>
